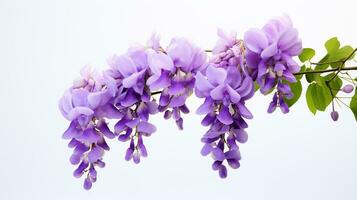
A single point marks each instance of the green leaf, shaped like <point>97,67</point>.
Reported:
<point>296,89</point>
<point>323,60</point>
<point>310,77</point>
<point>318,97</point>
<point>309,101</point>
<point>332,45</point>
<point>340,55</point>
<point>353,104</point>
<point>306,54</point>
<point>335,83</point>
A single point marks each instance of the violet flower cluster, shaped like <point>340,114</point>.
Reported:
<point>126,93</point>
<point>269,57</point>
<point>225,86</point>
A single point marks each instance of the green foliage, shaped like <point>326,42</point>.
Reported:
<point>296,89</point>
<point>322,89</point>
<point>309,99</point>
<point>307,54</point>
<point>335,83</point>
<point>332,45</point>
<point>353,104</point>
<point>340,55</point>
<point>335,55</point>
<point>318,95</point>
<point>310,77</point>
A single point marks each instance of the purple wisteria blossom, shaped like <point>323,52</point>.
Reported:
<point>225,87</point>
<point>86,104</point>
<point>173,73</point>
<point>133,100</point>
<point>269,57</point>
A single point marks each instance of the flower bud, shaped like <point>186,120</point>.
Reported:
<point>347,88</point>
<point>334,115</point>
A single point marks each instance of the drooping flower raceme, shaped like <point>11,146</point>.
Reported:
<point>225,87</point>
<point>173,72</point>
<point>269,57</point>
<point>125,93</point>
<point>86,105</point>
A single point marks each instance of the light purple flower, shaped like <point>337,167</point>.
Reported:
<point>269,56</point>
<point>172,72</point>
<point>226,86</point>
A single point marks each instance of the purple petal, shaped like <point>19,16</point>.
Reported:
<point>202,84</point>
<point>255,40</point>
<point>95,154</point>
<point>103,128</point>
<point>273,104</point>
<point>216,165</point>
<point>87,184</point>
<point>75,159</point>
<point>225,116</point>
<point>215,75</point>
<point>158,61</point>
<point>90,136</point>
<point>129,100</point>
<point>157,82</point>
<point>110,111</point>
<point>208,120</point>
<point>234,96</point>
<point>240,135</point>
<point>206,107</point>
<point>125,65</point>
<point>136,157</point>
<point>269,51</point>
<point>232,154</point>
<point>283,106</point>
<point>146,127</point>
<point>125,137</point>
<point>77,111</point>
<point>218,154</point>
<point>288,38</point>
<point>164,99</point>
<point>176,88</point>
<point>222,171</point>
<point>102,143</point>
<point>79,171</point>
<point>177,101</point>
<point>289,76</point>
<point>71,131</point>
<point>218,92</point>
<point>295,49</point>
<point>206,149</point>
<point>243,110</point>
<point>179,123</point>
<point>133,79</point>
<point>233,163</point>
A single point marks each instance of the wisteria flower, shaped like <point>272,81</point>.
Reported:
<point>269,57</point>
<point>84,105</point>
<point>173,72</point>
<point>225,87</point>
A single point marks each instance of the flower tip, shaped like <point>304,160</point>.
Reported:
<point>334,115</point>
<point>347,88</point>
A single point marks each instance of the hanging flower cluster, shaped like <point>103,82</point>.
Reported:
<point>117,103</point>
<point>269,58</point>
<point>226,86</point>
<point>125,92</point>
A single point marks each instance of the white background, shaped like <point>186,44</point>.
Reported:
<point>44,44</point>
